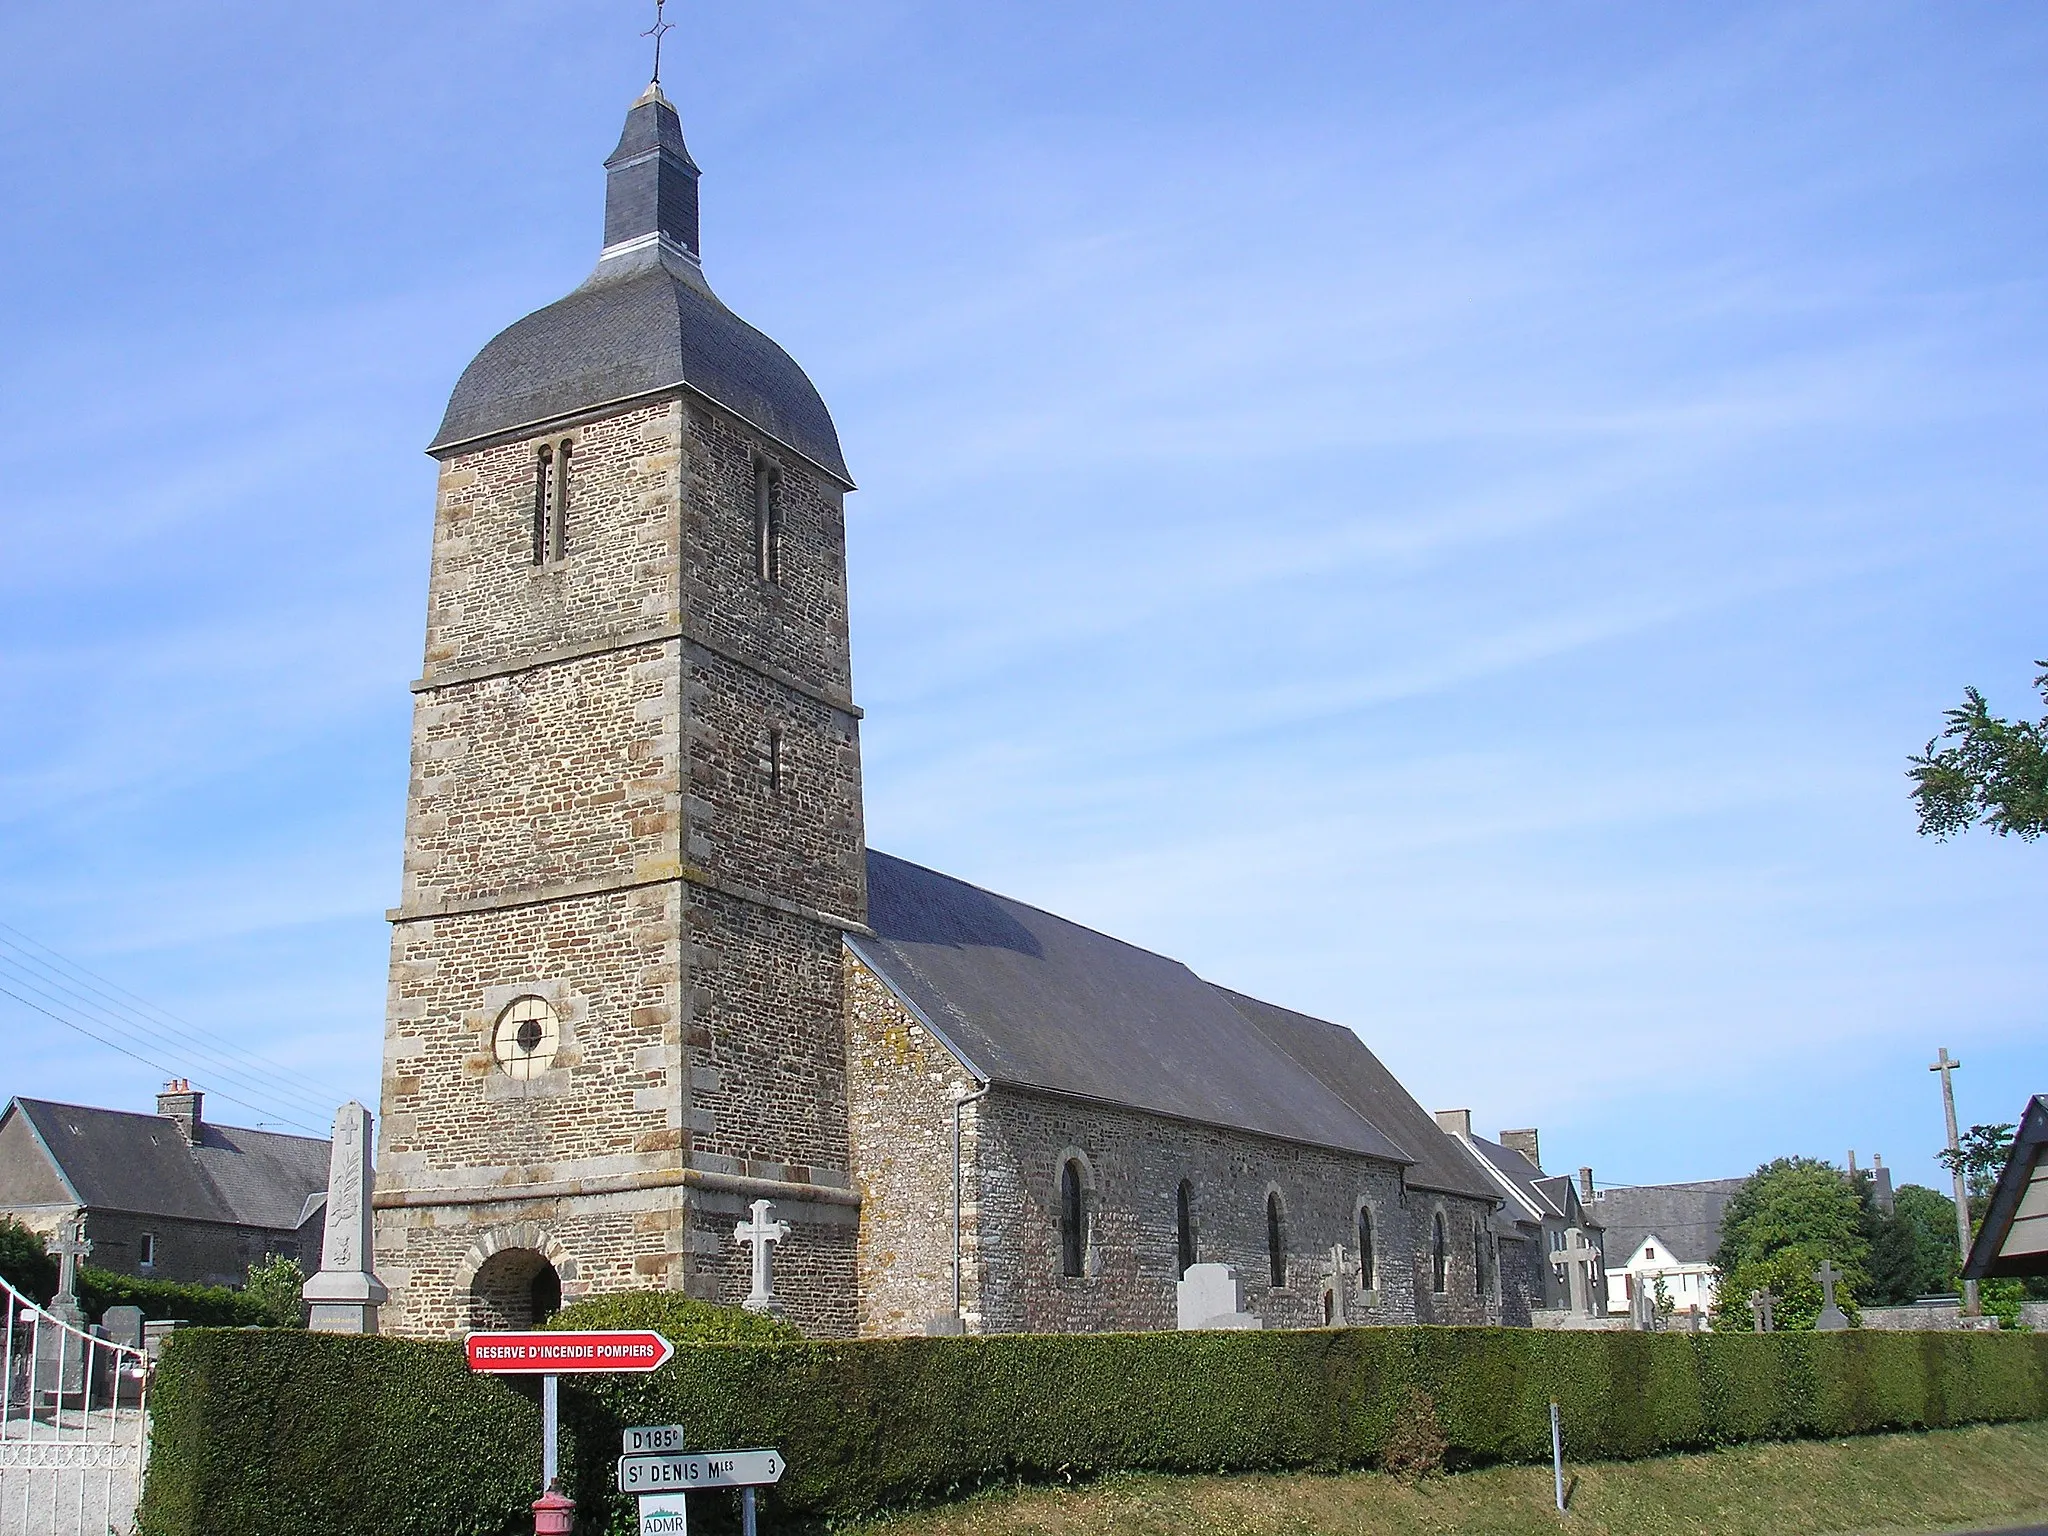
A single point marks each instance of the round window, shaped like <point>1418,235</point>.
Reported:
<point>527,1037</point>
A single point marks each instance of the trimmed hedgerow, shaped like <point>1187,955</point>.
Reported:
<point>290,1433</point>
<point>206,1306</point>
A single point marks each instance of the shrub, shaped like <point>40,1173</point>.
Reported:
<point>293,1434</point>
<point>273,1293</point>
<point>23,1262</point>
<point>206,1306</point>
<point>680,1319</point>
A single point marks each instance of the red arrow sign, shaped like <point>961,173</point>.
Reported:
<point>563,1354</point>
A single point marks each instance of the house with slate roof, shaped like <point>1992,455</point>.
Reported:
<point>167,1196</point>
<point>1667,1231</point>
<point>645,969</point>
<point>1538,1211</point>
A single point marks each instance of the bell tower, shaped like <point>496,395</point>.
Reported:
<point>633,823</point>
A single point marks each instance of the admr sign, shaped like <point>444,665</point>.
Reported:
<point>664,1514</point>
<point>567,1354</point>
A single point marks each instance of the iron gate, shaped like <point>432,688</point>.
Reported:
<point>74,1426</point>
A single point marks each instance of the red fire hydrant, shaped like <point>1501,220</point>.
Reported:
<point>554,1514</point>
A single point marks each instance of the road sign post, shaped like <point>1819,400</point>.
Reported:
<point>552,1356</point>
<point>700,1469</point>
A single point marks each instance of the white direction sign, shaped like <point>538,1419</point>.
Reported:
<point>654,1439</point>
<point>700,1469</point>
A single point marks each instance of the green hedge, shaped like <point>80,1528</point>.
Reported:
<point>293,1434</point>
<point>208,1306</point>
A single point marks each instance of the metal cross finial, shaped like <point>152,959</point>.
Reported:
<point>659,30</point>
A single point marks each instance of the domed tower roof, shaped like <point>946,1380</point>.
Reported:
<point>644,323</point>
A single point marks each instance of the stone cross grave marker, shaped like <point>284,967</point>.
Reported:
<point>1760,1310</point>
<point>1832,1318</point>
<point>1337,1288</point>
<point>70,1248</point>
<point>345,1295</point>
<point>759,1233</point>
<point>1578,1257</point>
<point>1211,1296</point>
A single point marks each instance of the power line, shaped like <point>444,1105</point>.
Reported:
<point>146,1061</point>
<point>151,1023</point>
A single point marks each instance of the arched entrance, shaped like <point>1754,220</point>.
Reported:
<point>514,1288</point>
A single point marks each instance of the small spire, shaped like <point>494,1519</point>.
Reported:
<point>658,31</point>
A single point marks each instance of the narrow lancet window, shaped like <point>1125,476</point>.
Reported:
<point>1184,1216</point>
<point>551,504</point>
<point>767,522</point>
<point>1073,1221</point>
<point>1276,1239</point>
<point>543,490</point>
<point>1439,1256</point>
<point>775,770</point>
<point>1365,1260</point>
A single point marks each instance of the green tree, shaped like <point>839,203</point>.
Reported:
<point>1790,1276</point>
<point>1913,1250</point>
<point>1980,1159</point>
<point>23,1262</point>
<point>1796,1202</point>
<point>273,1287</point>
<point>1995,771</point>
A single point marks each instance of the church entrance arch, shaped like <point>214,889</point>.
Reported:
<point>514,1288</point>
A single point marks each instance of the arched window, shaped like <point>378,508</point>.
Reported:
<point>1184,1217</point>
<point>551,503</point>
<point>1276,1238</point>
<point>1073,1220</point>
<point>1439,1255</point>
<point>1365,1251</point>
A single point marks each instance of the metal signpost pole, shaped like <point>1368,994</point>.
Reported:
<point>747,1511</point>
<point>550,1445</point>
<point>1557,1455</point>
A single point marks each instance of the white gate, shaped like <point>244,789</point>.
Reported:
<point>74,1426</point>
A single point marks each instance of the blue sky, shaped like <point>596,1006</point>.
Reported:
<point>1451,518</point>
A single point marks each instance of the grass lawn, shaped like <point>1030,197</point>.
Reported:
<point>1943,1480</point>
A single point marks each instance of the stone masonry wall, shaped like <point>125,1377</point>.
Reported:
<point>489,603</point>
<point>796,626</point>
<point>902,1086</point>
<point>589,823</point>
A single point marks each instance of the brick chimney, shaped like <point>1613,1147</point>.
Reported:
<point>180,1101</point>
<point>1585,1186</point>
<point>1455,1122</point>
<point>1523,1142</point>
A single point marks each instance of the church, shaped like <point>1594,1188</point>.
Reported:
<point>645,969</point>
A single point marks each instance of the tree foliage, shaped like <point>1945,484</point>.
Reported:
<point>24,1263</point>
<point>273,1290</point>
<point>1913,1250</point>
<point>1994,771</point>
<point>1980,1159</point>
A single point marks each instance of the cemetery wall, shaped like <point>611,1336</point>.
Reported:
<point>296,1434</point>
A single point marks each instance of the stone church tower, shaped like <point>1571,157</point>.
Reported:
<point>633,836</point>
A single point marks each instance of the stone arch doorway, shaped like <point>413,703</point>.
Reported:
<point>514,1288</point>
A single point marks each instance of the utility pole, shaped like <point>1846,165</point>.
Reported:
<point>1955,1146</point>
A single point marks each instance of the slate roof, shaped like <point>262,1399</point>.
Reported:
<point>644,322</point>
<point>1686,1216</point>
<point>1529,1180</point>
<point>141,1164</point>
<point>2011,1241</point>
<point>1028,999</point>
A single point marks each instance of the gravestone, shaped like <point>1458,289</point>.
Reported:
<point>345,1295</point>
<point>123,1326</point>
<point>1578,1257</point>
<point>1832,1318</point>
<point>1337,1289</point>
<point>1760,1311</point>
<point>70,1247</point>
<point>760,1233</point>
<point>1642,1306</point>
<point>1211,1296</point>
